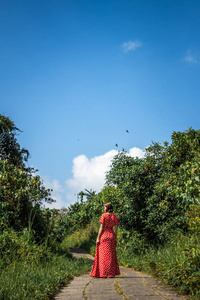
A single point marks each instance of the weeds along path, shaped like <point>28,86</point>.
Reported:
<point>130,285</point>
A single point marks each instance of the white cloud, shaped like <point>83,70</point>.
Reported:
<point>57,193</point>
<point>191,58</point>
<point>90,173</point>
<point>131,45</point>
<point>55,185</point>
<point>136,152</point>
<point>87,174</point>
<point>59,202</point>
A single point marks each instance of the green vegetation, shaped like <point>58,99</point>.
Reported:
<point>33,265</point>
<point>32,271</point>
<point>157,201</point>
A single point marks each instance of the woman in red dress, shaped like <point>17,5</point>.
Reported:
<point>105,261</point>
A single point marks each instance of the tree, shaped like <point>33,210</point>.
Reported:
<point>21,191</point>
<point>156,191</point>
<point>9,147</point>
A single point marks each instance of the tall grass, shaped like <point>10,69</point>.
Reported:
<point>39,280</point>
<point>83,237</point>
<point>175,263</point>
<point>31,271</point>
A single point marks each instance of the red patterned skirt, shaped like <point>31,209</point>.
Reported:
<point>105,261</point>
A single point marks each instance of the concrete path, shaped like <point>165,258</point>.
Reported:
<point>129,285</point>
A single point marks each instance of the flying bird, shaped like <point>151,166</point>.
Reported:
<point>127,131</point>
<point>116,145</point>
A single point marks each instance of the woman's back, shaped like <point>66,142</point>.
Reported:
<point>109,220</point>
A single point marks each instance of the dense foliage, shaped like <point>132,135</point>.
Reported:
<point>21,191</point>
<point>156,191</point>
<point>32,263</point>
<point>157,199</point>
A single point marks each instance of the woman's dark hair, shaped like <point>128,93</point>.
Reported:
<point>109,207</point>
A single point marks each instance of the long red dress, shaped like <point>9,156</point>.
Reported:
<point>105,261</point>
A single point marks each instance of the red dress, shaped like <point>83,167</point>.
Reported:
<point>105,261</point>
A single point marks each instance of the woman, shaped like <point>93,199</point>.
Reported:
<point>105,261</point>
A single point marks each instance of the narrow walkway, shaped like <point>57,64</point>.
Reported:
<point>130,285</point>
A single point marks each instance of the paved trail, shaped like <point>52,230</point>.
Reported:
<point>130,285</point>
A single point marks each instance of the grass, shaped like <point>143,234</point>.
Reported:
<point>39,280</point>
<point>175,263</point>
<point>83,238</point>
<point>29,271</point>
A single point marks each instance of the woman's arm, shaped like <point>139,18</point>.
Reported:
<point>99,234</point>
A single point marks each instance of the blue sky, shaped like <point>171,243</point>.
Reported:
<point>74,75</point>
